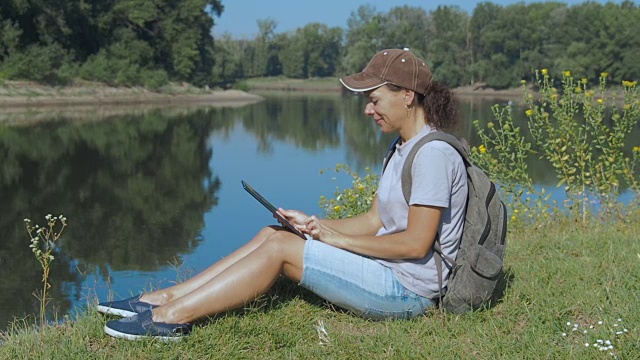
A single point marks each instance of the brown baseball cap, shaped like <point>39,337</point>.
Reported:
<point>399,67</point>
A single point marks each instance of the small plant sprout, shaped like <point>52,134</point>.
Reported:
<point>323,335</point>
<point>43,243</point>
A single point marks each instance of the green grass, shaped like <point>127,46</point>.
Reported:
<point>566,272</point>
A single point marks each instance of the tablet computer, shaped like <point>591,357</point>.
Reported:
<point>272,208</point>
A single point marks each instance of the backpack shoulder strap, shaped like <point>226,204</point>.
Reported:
<point>462,149</point>
<point>390,151</point>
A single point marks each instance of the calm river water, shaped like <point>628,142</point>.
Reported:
<point>154,196</point>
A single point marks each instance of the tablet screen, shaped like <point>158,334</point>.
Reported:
<point>271,208</point>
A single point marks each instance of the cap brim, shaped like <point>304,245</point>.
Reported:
<point>362,82</point>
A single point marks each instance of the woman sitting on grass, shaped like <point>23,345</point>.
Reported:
<point>378,265</point>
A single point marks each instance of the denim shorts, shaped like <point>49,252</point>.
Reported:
<point>359,284</point>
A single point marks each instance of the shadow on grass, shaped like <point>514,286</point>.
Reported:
<point>280,295</point>
<point>284,291</point>
<point>506,279</point>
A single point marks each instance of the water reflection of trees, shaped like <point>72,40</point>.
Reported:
<point>310,122</point>
<point>135,190</point>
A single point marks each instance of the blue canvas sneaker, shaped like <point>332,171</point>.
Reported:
<point>127,307</point>
<point>142,326</point>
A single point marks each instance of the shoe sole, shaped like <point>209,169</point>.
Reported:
<point>121,335</point>
<point>111,311</point>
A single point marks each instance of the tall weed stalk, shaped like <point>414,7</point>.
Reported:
<point>43,245</point>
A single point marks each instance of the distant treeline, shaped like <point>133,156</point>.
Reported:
<point>125,42</point>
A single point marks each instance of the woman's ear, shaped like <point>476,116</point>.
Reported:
<point>408,97</point>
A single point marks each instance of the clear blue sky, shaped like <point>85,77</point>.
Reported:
<point>240,16</point>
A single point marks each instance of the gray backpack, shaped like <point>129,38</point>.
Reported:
<point>477,268</point>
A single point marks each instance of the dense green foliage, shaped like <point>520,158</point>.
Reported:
<point>125,42</point>
<point>121,42</point>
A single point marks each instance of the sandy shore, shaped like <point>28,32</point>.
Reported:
<point>15,94</point>
<point>24,103</point>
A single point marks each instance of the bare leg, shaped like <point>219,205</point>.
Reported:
<point>241,282</point>
<point>163,296</point>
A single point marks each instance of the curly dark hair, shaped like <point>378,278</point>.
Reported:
<point>439,104</point>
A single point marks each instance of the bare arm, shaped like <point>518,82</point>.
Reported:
<point>413,243</point>
<point>364,224</point>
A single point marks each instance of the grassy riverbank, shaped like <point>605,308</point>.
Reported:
<point>558,276</point>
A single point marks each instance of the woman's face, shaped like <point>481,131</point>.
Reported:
<point>387,108</point>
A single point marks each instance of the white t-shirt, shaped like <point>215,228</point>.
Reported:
<point>439,179</point>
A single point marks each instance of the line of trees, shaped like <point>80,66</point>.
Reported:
<point>127,42</point>
<point>495,45</point>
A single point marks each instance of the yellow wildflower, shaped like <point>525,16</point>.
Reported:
<point>482,149</point>
<point>523,82</point>
<point>529,112</point>
<point>514,218</point>
<point>584,80</point>
<point>636,149</point>
<point>604,74</point>
<point>578,90</point>
<point>629,83</point>
<point>626,107</point>
<point>600,101</point>
<point>545,72</point>
<point>567,73</point>
<point>337,208</point>
<point>554,96</point>
<point>360,187</point>
<point>589,93</point>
